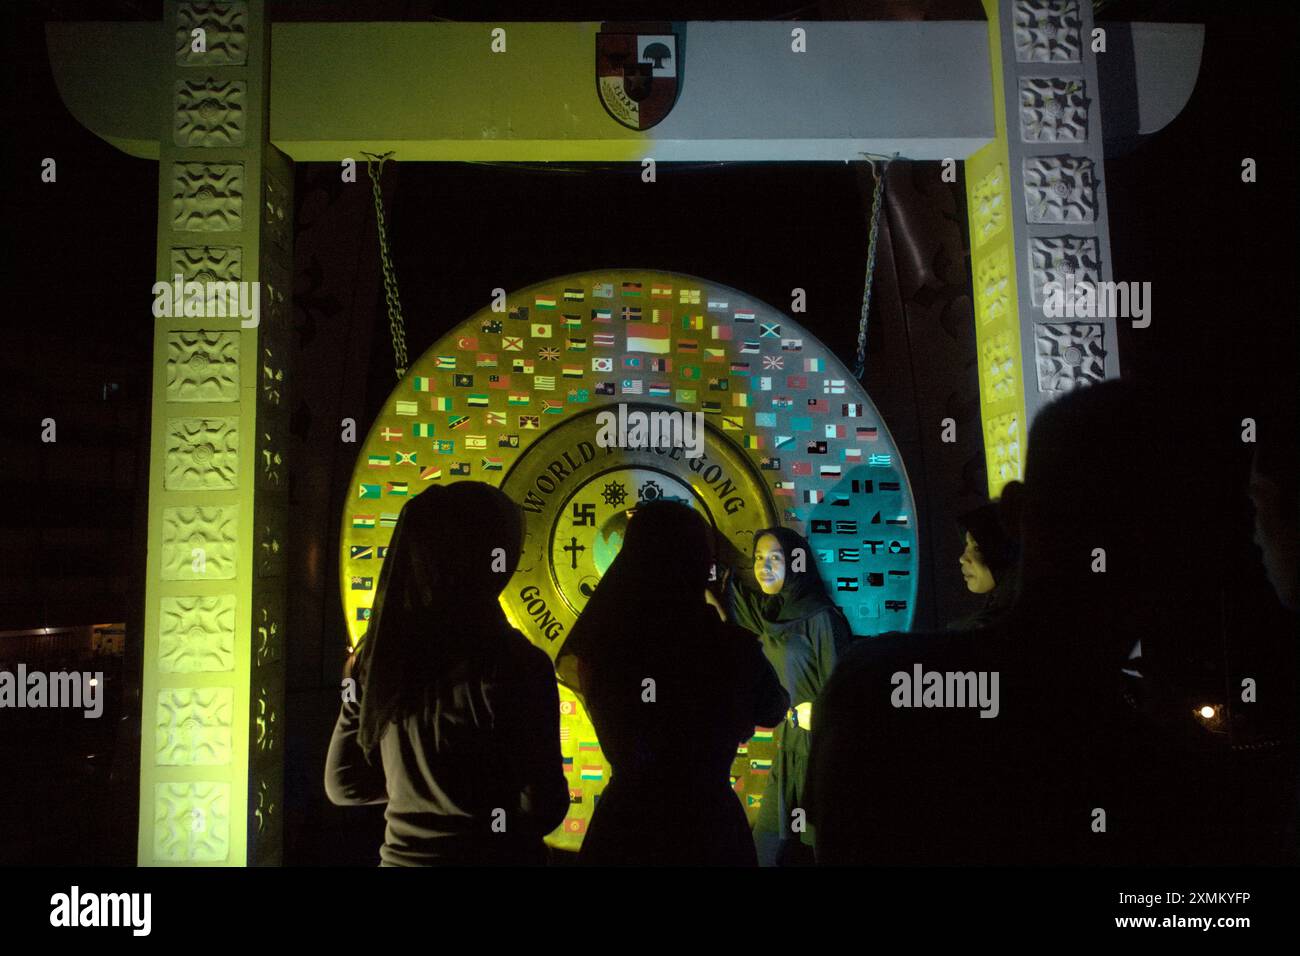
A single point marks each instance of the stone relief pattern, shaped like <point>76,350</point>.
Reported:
<point>197,634</point>
<point>207,197</point>
<point>1053,110</point>
<point>211,532</point>
<point>191,822</point>
<point>270,458</point>
<point>208,264</point>
<point>998,366</point>
<point>267,720</point>
<point>202,454</point>
<point>193,726</point>
<point>1069,355</point>
<point>209,114</point>
<point>203,366</point>
<point>1052,259</point>
<point>269,552</point>
<point>272,337</point>
<point>266,813</point>
<point>1002,446</point>
<point>268,630</point>
<point>1047,31</point>
<point>990,210</point>
<point>1059,189</point>
<point>272,373</point>
<point>225,29</point>
<point>276,211</point>
<point>993,286</point>
<point>214,267</point>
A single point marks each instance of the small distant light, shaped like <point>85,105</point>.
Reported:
<point>94,682</point>
<point>1207,711</point>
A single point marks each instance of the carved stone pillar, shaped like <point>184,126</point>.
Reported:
<point>1037,215</point>
<point>212,735</point>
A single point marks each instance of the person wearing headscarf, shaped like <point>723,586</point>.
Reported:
<point>990,561</point>
<point>803,633</point>
<point>1046,756</point>
<point>672,691</point>
<point>456,728</point>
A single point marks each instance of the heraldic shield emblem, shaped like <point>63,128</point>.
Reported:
<point>638,71</point>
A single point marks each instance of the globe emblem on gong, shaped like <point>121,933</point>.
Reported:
<point>591,527</point>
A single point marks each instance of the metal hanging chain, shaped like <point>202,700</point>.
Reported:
<point>860,366</point>
<point>396,324</point>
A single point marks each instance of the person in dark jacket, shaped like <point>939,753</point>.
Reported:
<point>990,559</point>
<point>672,691</point>
<point>457,724</point>
<point>1025,746</point>
<point>803,634</point>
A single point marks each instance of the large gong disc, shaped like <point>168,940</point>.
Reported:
<point>511,398</point>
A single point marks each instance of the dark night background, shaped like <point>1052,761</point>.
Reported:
<point>1219,253</point>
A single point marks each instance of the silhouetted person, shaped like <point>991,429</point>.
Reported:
<point>457,728</point>
<point>803,634</point>
<point>990,561</point>
<point>1275,495</point>
<point>1068,765</point>
<point>1273,491</point>
<point>672,691</point>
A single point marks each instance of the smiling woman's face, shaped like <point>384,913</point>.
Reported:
<point>769,564</point>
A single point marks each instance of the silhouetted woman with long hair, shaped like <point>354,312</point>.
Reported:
<point>672,691</point>
<point>803,634</point>
<point>457,726</point>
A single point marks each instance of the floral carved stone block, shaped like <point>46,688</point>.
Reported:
<point>1047,31</point>
<point>1059,189</point>
<point>203,366</point>
<point>196,634</point>
<point>193,726</point>
<point>202,454</point>
<point>1056,259</point>
<point>207,197</point>
<point>1053,110</point>
<point>211,266</point>
<point>1069,355</point>
<point>1002,443</point>
<point>209,113</point>
<point>208,264</point>
<point>224,35</point>
<point>199,544</point>
<point>992,286</point>
<point>191,822</point>
<point>998,366</point>
<point>990,212</point>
